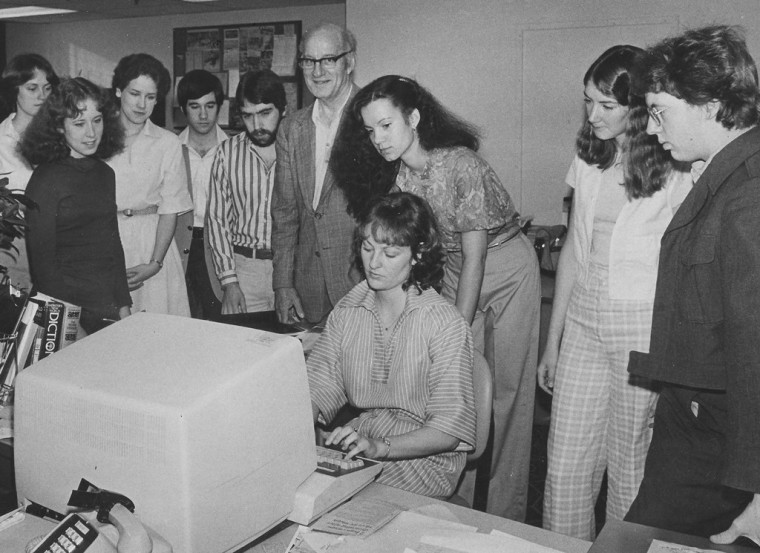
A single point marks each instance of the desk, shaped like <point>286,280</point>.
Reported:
<point>483,521</point>
<point>15,538</point>
<point>626,537</point>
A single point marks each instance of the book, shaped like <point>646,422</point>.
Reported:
<point>57,325</point>
<point>52,328</point>
<point>27,333</point>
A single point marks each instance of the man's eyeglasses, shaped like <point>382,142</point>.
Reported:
<point>328,62</point>
<point>654,113</point>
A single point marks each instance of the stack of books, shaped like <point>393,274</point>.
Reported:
<point>43,325</point>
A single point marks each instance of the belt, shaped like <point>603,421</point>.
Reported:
<point>258,253</point>
<point>505,235</point>
<point>150,210</point>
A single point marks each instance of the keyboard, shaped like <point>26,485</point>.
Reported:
<point>333,462</point>
<point>334,481</point>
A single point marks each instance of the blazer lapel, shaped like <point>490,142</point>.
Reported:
<point>717,172</point>
<point>305,148</point>
<point>327,186</point>
<point>691,205</point>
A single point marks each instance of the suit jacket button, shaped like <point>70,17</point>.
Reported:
<point>186,250</point>
<point>318,215</point>
<point>318,254</point>
<point>189,227</point>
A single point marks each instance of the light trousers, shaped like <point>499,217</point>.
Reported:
<point>505,329</point>
<point>255,278</point>
<point>601,417</point>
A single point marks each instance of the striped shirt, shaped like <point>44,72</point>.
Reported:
<point>240,193</point>
<point>422,377</point>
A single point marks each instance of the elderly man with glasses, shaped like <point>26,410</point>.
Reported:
<point>312,233</point>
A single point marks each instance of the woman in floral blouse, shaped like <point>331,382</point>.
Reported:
<point>397,134</point>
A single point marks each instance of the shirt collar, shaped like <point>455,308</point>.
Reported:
<point>318,106</point>
<point>365,297</point>
<point>698,167</point>
<point>221,136</point>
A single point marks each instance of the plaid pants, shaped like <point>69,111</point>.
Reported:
<point>601,417</point>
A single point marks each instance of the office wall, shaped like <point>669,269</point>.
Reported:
<point>92,48</point>
<point>514,68</point>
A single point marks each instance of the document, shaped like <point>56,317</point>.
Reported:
<point>469,542</point>
<point>659,546</point>
<point>360,518</point>
<point>404,529</point>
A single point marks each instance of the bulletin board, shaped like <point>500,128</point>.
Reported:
<point>229,51</point>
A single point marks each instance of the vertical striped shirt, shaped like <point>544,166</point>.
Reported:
<point>238,213</point>
<point>421,377</point>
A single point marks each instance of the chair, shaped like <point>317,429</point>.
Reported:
<point>483,384</point>
<point>482,381</point>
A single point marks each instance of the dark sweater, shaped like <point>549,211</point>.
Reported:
<point>75,252</point>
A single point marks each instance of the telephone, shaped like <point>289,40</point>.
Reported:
<point>115,529</point>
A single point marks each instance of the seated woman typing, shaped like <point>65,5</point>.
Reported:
<point>398,352</point>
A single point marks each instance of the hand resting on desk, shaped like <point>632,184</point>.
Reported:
<point>746,524</point>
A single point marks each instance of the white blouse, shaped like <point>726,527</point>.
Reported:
<point>635,243</point>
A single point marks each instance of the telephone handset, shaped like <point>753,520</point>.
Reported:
<point>115,530</point>
<point>73,535</point>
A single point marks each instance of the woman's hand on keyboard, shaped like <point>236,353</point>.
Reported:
<point>353,443</point>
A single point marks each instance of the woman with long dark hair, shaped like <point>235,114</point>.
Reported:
<point>26,81</point>
<point>74,246</point>
<point>397,134</point>
<point>626,190</point>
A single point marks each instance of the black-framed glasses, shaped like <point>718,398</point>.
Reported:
<point>654,113</point>
<point>328,62</point>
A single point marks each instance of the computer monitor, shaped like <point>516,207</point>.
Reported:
<point>206,427</point>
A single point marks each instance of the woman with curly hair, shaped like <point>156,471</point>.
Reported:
<point>626,192</point>
<point>399,353</point>
<point>73,238</point>
<point>397,134</point>
<point>151,189</point>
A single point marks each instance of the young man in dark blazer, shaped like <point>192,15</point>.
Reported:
<point>702,474</point>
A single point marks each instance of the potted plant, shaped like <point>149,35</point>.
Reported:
<point>11,219</point>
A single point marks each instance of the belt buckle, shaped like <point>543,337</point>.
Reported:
<point>128,212</point>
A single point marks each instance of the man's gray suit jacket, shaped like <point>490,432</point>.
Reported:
<point>312,247</point>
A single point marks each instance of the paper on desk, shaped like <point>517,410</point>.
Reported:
<point>306,541</point>
<point>436,510</point>
<point>522,545</point>
<point>359,517</point>
<point>659,546</point>
<point>468,542</point>
<point>406,528</point>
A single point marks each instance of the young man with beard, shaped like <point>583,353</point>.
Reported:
<point>242,177</point>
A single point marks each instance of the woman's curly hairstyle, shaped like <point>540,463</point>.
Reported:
<point>403,219</point>
<point>360,171</point>
<point>44,140</point>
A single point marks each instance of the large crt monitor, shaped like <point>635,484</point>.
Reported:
<point>206,427</point>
